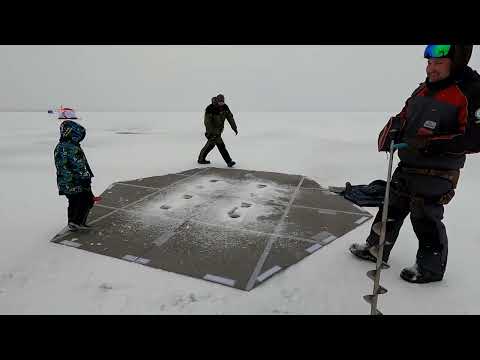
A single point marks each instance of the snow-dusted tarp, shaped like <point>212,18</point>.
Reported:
<point>230,226</point>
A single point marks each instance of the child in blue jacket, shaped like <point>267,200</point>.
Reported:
<point>73,171</point>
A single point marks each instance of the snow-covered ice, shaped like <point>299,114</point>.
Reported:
<point>40,277</point>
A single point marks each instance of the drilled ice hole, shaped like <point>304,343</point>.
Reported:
<point>233,214</point>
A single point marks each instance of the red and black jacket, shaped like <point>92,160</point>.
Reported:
<point>441,117</point>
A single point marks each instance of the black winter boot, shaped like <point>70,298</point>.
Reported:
<point>367,252</point>
<point>417,276</point>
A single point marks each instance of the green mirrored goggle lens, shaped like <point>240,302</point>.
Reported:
<point>437,51</point>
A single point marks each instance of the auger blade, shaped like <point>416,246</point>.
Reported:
<point>369,298</point>
<point>377,227</point>
<point>374,252</point>
<point>372,274</point>
<point>381,290</point>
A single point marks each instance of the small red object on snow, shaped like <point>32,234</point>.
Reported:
<point>97,199</point>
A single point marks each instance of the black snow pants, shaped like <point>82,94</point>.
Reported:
<point>423,197</point>
<point>79,206</point>
<point>212,141</point>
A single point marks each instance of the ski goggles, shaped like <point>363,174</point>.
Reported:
<point>437,51</point>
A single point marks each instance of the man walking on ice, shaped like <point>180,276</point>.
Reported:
<point>215,115</point>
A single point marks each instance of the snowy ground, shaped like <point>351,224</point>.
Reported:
<point>39,277</point>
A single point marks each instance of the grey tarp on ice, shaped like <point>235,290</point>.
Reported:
<point>230,226</point>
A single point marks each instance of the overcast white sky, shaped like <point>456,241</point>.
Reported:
<point>184,78</point>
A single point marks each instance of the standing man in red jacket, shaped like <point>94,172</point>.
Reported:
<point>441,123</point>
